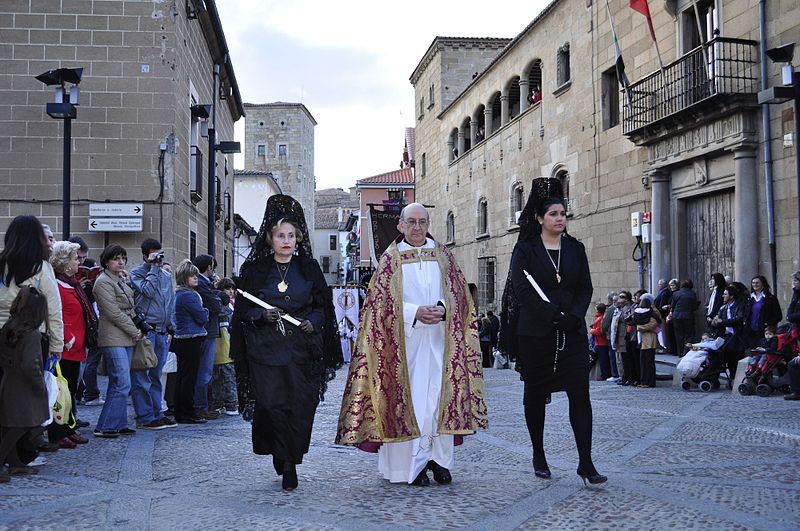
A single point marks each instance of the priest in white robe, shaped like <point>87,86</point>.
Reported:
<point>415,385</point>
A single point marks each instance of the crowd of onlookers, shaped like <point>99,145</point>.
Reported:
<point>65,313</point>
<point>630,329</point>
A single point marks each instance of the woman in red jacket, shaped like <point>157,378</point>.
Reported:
<point>601,342</point>
<point>78,317</point>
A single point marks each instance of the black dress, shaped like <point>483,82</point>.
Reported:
<point>284,366</point>
<point>538,338</point>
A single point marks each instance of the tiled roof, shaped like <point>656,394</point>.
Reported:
<point>402,176</point>
<point>326,207</point>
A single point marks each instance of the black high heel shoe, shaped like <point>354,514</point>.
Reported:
<point>594,479</point>
<point>541,470</point>
<point>289,477</point>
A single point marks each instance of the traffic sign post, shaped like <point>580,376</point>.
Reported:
<point>115,224</point>
<point>116,217</point>
<point>116,210</point>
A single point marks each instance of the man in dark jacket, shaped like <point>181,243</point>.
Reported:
<point>212,302</point>
<point>684,304</point>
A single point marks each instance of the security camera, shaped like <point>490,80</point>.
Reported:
<point>782,53</point>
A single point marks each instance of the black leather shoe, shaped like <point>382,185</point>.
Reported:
<point>791,396</point>
<point>440,473</point>
<point>541,470</point>
<point>289,477</point>
<point>81,423</point>
<point>278,464</point>
<point>594,479</point>
<point>422,479</point>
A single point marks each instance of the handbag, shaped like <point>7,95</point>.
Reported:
<point>144,356</point>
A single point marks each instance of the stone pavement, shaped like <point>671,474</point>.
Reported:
<point>674,459</point>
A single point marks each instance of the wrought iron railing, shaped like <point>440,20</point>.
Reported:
<point>721,66</point>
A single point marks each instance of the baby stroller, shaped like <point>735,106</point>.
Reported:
<point>767,371</point>
<point>702,365</point>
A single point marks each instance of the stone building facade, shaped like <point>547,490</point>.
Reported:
<point>548,104</point>
<point>138,135</point>
<point>279,139</point>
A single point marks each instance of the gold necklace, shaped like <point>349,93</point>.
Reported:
<point>283,285</point>
<point>557,266</point>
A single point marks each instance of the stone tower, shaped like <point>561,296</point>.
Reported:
<point>279,139</point>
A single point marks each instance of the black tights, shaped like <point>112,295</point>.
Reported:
<point>8,446</point>
<point>580,417</point>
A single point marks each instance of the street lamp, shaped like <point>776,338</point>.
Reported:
<point>63,108</point>
<point>226,147</point>
<point>789,91</point>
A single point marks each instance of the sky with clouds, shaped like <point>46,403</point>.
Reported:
<point>349,62</point>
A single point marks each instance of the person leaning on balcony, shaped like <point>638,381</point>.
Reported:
<point>117,334</point>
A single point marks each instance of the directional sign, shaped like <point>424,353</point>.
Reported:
<point>119,210</point>
<point>115,224</point>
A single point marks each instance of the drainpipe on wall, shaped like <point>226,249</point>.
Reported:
<point>762,30</point>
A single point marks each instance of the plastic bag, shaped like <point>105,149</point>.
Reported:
<point>51,384</point>
<point>500,359</point>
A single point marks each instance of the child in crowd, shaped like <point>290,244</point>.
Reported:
<point>223,384</point>
<point>766,345</point>
<point>23,396</point>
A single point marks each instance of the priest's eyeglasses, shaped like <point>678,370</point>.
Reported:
<point>421,223</point>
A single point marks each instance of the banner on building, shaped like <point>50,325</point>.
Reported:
<point>382,230</point>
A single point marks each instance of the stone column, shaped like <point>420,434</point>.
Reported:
<point>473,132</point>
<point>450,154</point>
<point>745,214</point>
<point>503,108</point>
<point>461,134</point>
<point>487,121</point>
<point>524,91</point>
<point>660,230</point>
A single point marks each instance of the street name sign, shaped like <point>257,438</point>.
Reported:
<point>115,224</point>
<point>116,210</point>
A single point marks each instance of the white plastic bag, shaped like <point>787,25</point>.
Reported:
<point>171,365</point>
<point>500,360</point>
<point>51,384</point>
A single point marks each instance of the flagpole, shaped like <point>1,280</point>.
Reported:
<point>702,40</point>
<point>625,88</point>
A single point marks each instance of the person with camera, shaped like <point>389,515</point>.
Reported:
<point>116,336</point>
<point>155,307</point>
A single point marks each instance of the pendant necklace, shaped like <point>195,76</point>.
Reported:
<point>283,285</point>
<point>556,266</point>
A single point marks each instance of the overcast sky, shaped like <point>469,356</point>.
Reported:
<point>349,62</point>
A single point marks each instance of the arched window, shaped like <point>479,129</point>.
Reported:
<point>517,202</point>
<point>563,176</point>
<point>535,82</point>
<point>483,216</point>
<point>451,227</point>
<point>452,145</point>
<point>480,117</point>
<point>465,128</point>
<point>496,111</point>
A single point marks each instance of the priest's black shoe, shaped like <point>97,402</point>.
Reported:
<point>440,473</point>
<point>422,479</point>
<point>289,477</point>
<point>278,464</point>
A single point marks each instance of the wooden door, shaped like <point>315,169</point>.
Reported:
<point>709,243</point>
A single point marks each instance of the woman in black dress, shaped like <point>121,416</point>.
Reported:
<point>551,336</point>
<point>283,368</point>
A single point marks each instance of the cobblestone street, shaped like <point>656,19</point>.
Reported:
<point>674,459</point>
